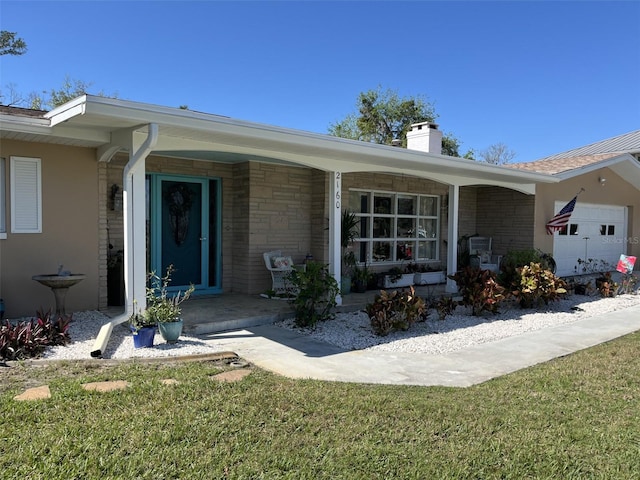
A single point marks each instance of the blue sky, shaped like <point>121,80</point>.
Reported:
<point>541,77</point>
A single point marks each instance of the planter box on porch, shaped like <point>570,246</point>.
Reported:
<point>429,278</point>
<point>405,280</point>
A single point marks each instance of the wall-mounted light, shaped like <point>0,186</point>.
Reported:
<point>116,198</point>
<point>602,181</point>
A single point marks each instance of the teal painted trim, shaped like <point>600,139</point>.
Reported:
<point>155,217</point>
<point>218,252</point>
<point>155,224</point>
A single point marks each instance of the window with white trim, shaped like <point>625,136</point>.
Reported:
<point>572,229</point>
<point>396,227</point>
<point>26,195</point>
<point>3,220</point>
<point>608,230</point>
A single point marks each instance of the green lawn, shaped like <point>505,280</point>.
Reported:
<point>576,417</point>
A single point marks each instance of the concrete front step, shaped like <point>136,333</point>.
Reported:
<point>236,312</point>
<point>202,328</point>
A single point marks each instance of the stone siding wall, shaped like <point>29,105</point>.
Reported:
<point>507,216</point>
<point>279,217</point>
<point>273,207</point>
<point>264,207</point>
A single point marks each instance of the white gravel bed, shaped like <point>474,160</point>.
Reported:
<point>461,330</point>
<point>352,331</point>
<point>85,327</point>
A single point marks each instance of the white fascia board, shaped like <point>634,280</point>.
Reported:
<point>86,134</point>
<point>312,149</point>
<point>41,126</point>
<point>67,110</point>
<point>22,124</point>
<point>348,164</point>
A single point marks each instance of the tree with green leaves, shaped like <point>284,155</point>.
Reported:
<point>70,89</point>
<point>10,44</point>
<point>383,116</point>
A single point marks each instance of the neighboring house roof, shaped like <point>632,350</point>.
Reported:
<point>554,166</point>
<point>26,112</point>
<point>626,143</point>
<point>620,154</point>
<point>97,121</point>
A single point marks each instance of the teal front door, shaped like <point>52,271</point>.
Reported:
<point>184,214</point>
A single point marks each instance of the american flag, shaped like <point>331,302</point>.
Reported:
<point>561,219</point>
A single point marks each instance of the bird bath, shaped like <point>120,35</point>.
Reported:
<point>59,285</point>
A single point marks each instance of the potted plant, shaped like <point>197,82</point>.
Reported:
<point>163,309</point>
<point>142,328</point>
<point>397,278</point>
<point>349,232</point>
<point>361,278</point>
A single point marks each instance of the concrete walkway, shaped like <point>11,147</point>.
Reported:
<point>297,356</point>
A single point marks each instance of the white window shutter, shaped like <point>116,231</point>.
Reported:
<point>26,195</point>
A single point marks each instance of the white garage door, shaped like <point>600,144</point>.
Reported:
<point>594,231</point>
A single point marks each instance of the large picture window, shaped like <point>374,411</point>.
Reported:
<point>396,227</point>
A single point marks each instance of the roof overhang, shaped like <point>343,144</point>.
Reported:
<point>96,121</point>
<point>625,165</point>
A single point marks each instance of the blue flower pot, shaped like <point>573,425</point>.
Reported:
<point>143,337</point>
<point>170,331</point>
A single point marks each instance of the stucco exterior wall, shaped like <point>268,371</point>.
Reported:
<point>616,191</point>
<point>70,230</point>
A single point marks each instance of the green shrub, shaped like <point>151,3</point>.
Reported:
<point>537,284</point>
<point>316,297</point>
<point>397,310</point>
<point>29,339</point>
<point>445,306</point>
<point>515,259</point>
<point>479,289</point>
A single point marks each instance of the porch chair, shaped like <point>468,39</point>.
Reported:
<point>481,255</point>
<point>280,266</point>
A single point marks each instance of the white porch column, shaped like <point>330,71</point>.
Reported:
<point>335,212</point>
<point>134,202</point>
<point>452,244</point>
<point>134,213</point>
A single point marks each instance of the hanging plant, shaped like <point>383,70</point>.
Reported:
<point>179,198</point>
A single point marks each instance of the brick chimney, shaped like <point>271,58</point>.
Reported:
<point>425,137</point>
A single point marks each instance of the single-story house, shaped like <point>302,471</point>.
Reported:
<point>101,183</point>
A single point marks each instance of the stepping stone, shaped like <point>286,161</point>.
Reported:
<point>231,375</point>
<point>36,393</point>
<point>106,386</point>
<point>169,381</point>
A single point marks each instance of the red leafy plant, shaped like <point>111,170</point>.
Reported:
<point>396,310</point>
<point>479,289</point>
<point>30,338</point>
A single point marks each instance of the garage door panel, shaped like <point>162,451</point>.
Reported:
<point>599,236</point>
